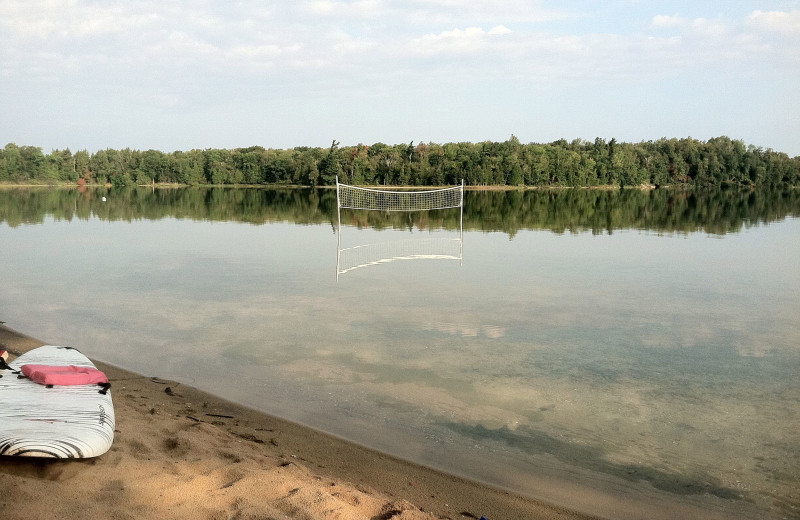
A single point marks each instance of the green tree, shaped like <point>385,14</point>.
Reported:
<point>187,167</point>
<point>153,167</point>
<point>82,169</point>
<point>219,167</point>
<point>251,164</point>
<point>306,161</point>
<point>329,167</point>
<point>60,166</point>
<point>100,165</point>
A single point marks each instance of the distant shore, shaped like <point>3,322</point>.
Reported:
<point>181,453</point>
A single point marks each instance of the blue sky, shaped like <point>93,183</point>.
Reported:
<point>173,75</point>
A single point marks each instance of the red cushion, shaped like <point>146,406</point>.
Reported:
<point>63,375</point>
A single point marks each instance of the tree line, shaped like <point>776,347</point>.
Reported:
<point>579,163</point>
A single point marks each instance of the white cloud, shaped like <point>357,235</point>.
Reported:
<point>776,21</point>
<point>455,40</point>
<point>223,52</point>
<point>185,43</point>
<point>663,21</point>
<point>48,19</point>
<point>335,35</point>
<point>347,47</point>
<point>761,39</point>
<point>709,28</point>
<point>469,39</point>
<point>323,7</point>
<point>359,8</point>
<point>469,33</point>
<point>499,29</point>
<point>459,11</point>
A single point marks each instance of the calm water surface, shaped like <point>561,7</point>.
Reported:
<point>640,365</point>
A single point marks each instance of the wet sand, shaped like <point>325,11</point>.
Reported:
<point>181,453</point>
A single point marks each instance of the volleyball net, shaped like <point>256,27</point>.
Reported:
<point>356,197</point>
<point>371,199</point>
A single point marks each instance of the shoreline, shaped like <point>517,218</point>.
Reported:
<point>182,453</point>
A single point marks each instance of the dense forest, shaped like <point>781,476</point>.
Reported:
<point>716,162</point>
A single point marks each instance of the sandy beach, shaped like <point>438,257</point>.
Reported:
<point>180,453</point>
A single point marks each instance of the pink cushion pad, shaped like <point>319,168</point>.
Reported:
<point>63,375</point>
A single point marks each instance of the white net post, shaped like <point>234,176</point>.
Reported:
<point>338,228</point>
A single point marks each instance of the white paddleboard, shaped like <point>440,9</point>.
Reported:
<point>75,421</point>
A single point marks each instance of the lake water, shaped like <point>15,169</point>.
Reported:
<point>632,354</point>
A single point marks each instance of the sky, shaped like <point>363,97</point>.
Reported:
<point>177,75</point>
